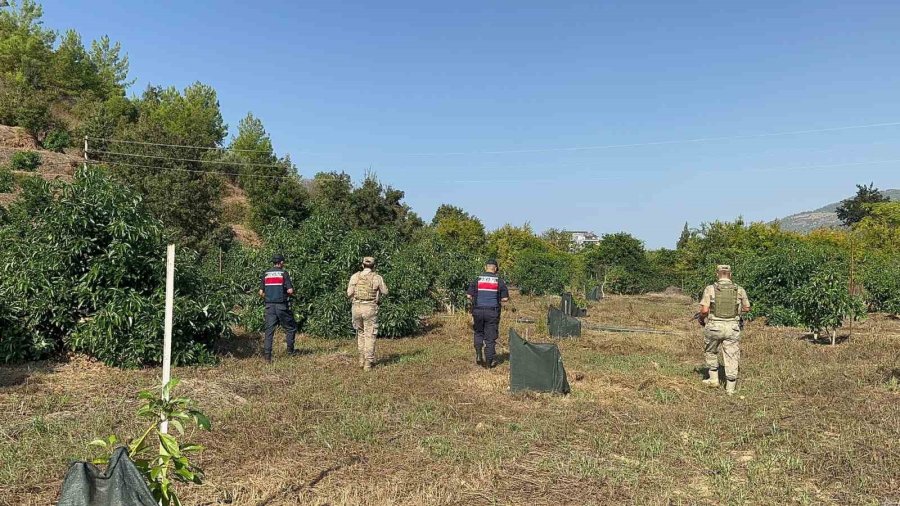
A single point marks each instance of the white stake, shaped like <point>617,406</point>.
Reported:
<point>167,332</point>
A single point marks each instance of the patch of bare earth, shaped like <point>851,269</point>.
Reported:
<point>812,423</point>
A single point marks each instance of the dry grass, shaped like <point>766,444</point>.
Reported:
<point>813,424</point>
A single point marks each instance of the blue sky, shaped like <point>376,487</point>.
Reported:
<point>476,103</point>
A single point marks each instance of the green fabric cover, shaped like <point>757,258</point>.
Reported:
<point>569,307</point>
<point>562,325</point>
<point>120,485</point>
<point>535,366</point>
<point>594,294</point>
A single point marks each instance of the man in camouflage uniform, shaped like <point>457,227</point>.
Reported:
<point>365,289</point>
<point>721,308</point>
<point>276,288</point>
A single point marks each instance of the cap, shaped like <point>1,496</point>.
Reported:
<point>278,257</point>
<point>723,268</point>
<point>368,261</point>
<point>491,261</point>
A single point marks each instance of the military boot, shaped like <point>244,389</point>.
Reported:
<point>713,379</point>
<point>479,355</point>
<point>730,386</point>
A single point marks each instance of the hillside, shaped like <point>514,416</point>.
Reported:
<point>823,217</point>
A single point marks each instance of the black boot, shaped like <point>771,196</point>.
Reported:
<point>479,356</point>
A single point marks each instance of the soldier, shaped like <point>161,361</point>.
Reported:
<point>721,308</point>
<point>486,294</point>
<point>275,288</point>
<point>365,289</point>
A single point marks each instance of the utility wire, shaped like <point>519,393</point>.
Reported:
<point>196,171</point>
<point>159,157</point>
<point>121,141</point>
<point>573,148</point>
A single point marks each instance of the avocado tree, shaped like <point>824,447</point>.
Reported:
<point>825,302</point>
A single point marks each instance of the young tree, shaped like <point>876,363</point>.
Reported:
<point>854,209</point>
<point>824,302</point>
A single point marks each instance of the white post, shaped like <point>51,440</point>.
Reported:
<point>167,332</point>
<point>85,151</point>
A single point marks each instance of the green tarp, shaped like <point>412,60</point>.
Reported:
<point>535,366</point>
<point>562,325</point>
<point>569,307</point>
<point>120,485</point>
<point>594,294</point>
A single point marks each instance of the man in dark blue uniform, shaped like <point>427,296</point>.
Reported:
<point>486,293</point>
<point>276,288</point>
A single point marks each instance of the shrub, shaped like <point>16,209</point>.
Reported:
<point>881,278</point>
<point>25,160</point>
<point>57,140</point>
<point>82,268</point>
<point>542,272</point>
<point>7,180</point>
<point>825,302</point>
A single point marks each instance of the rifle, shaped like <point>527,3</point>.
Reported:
<point>700,317</point>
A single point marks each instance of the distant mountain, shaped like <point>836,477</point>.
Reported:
<point>823,217</point>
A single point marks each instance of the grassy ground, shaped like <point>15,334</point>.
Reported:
<point>813,424</point>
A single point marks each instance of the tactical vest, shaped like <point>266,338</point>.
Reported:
<point>364,289</point>
<point>488,290</point>
<point>726,305</point>
<point>273,284</point>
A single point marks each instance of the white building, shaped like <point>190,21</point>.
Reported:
<point>582,238</point>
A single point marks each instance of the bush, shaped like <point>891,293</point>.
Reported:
<point>326,250</point>
<point>881,279</point>
<point>57,140</point>
<point>825,302</point>
<point>542,272</point>
<point>7,180</point>
<point>82,269</point>
<point>25,160</point>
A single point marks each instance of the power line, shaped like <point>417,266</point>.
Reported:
<point>170,158</point>
<point>197,171</point>
<point>142,143</point>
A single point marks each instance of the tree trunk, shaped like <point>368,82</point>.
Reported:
<point>833,336</point>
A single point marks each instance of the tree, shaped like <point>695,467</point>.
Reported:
<point>81,269</point>
<point>854,209</point>
<point>111,67</point>
<point>272,184</point>
<point>164,161</point>
<point>557,238</point>
<point>459,228</point>
<point>684,238</point>
<point>624,251</point>
<point>880,229</point>
<point>508,242</point>
<point>824,302</point>
<point>542,272</point>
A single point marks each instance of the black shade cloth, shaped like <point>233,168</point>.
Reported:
<point>562,325</point>
<point>120,485</point>
<point>535,366</point>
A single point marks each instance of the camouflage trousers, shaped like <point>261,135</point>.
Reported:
<point>365,322</point>
<point>724,335</point>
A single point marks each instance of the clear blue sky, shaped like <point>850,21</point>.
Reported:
<point>426,93</point>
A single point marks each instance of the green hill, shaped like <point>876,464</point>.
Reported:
<point>823,217</point>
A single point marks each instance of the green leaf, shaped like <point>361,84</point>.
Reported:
<point>170,445</point>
